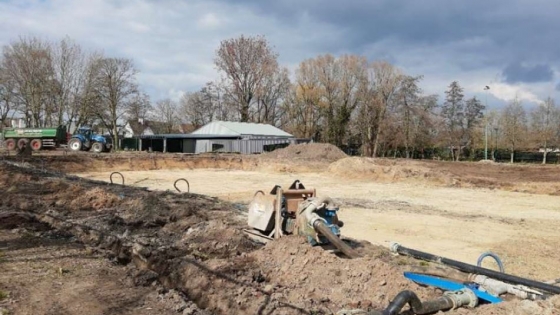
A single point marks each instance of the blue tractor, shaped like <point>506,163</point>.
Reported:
<point>84,140</point>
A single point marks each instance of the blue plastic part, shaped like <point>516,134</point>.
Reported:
<point>328,215</point>
<point>496,258</point>
<point>449,285</point>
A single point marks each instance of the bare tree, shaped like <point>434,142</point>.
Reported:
<point>69,66</point>
<point>201,107</point>
<point>272,92</point>
<point>115,84</point>
<point>332,85</point>
<point>85,107</point>
<point>303,103</point>
<point>352,76</point>
<point>138,107</point>
<point>28,64</point>
<point>407,100</point>
<point>513,121</point>
<point>544,122</point>
<point>378,96</point>
<point>7,97</point>
<point>246,63</point>
<point>196,109</point>
<point>165,112</point>
<point>425,123</point>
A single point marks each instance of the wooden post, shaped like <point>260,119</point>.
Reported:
<point>277,218</point>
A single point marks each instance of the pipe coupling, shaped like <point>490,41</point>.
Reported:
<point>464,297</point>
<point>314,217</point>
<point>395,247</point>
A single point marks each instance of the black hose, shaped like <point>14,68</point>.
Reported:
<point>409,297</point>
<point>324,230</point>
<point>476,270</point>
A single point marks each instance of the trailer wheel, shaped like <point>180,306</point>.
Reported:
<point>11,144</point>
<point>36,144</point>
<point>22,143</point>
<point>75,144</point>
<point>97,147</point>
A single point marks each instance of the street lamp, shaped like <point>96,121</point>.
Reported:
<point>496,146</point>
<point>486,88</point>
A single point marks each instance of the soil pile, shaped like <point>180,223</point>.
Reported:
<point>385,170</point>
<point>308,151</point>
<point>193,244</point>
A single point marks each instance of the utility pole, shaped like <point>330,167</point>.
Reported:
<point>496,146</point>
<point>486,88</point>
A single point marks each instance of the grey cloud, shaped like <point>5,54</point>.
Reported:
<point>517,72</point>
<point>445,40</point>
<point>510,26</point>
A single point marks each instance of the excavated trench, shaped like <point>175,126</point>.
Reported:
<point>194,244</point>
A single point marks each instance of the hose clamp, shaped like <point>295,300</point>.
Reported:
<point>394,247</point>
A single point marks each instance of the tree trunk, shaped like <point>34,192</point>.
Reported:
<point>512,155</point>
<point>245,112</point>
<point>376,142</point>
<point>452,150</point>
<point>115,137</point>
<point>544,154</point>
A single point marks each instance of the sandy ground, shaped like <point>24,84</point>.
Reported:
<point>458,223</point>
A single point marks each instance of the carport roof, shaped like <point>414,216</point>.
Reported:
<point>188,136</point>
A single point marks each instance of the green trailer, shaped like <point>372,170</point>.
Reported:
<point>37,138</point>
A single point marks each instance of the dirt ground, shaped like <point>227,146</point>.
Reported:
<point>42,272</point>
<point>458,223</point>
<point>70,245</point>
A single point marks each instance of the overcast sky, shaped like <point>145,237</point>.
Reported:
<point>510,45</point>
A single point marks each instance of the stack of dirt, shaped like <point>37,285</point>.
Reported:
<point>385,170</point>
<point>194,244</point>
<point>308,151</point>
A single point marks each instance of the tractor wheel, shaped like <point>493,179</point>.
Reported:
<point>75,144</point>
<point>22,143</point>
<point>97,147</point>
<point>36,144</point>
<point>11,144</point>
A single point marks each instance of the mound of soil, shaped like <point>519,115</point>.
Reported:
<point>385,170</point>
<point>308,151</point>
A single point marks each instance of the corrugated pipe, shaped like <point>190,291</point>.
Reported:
<point>450,300</point>
<point>320,226</point>
<point>397,248</point>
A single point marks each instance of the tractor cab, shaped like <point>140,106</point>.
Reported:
<point>84,131</point>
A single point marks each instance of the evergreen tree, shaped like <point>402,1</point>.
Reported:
<point>452,112</point>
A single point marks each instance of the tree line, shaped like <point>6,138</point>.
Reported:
<point>344,100</point>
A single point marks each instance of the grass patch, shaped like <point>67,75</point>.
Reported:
<point>4,295</point>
